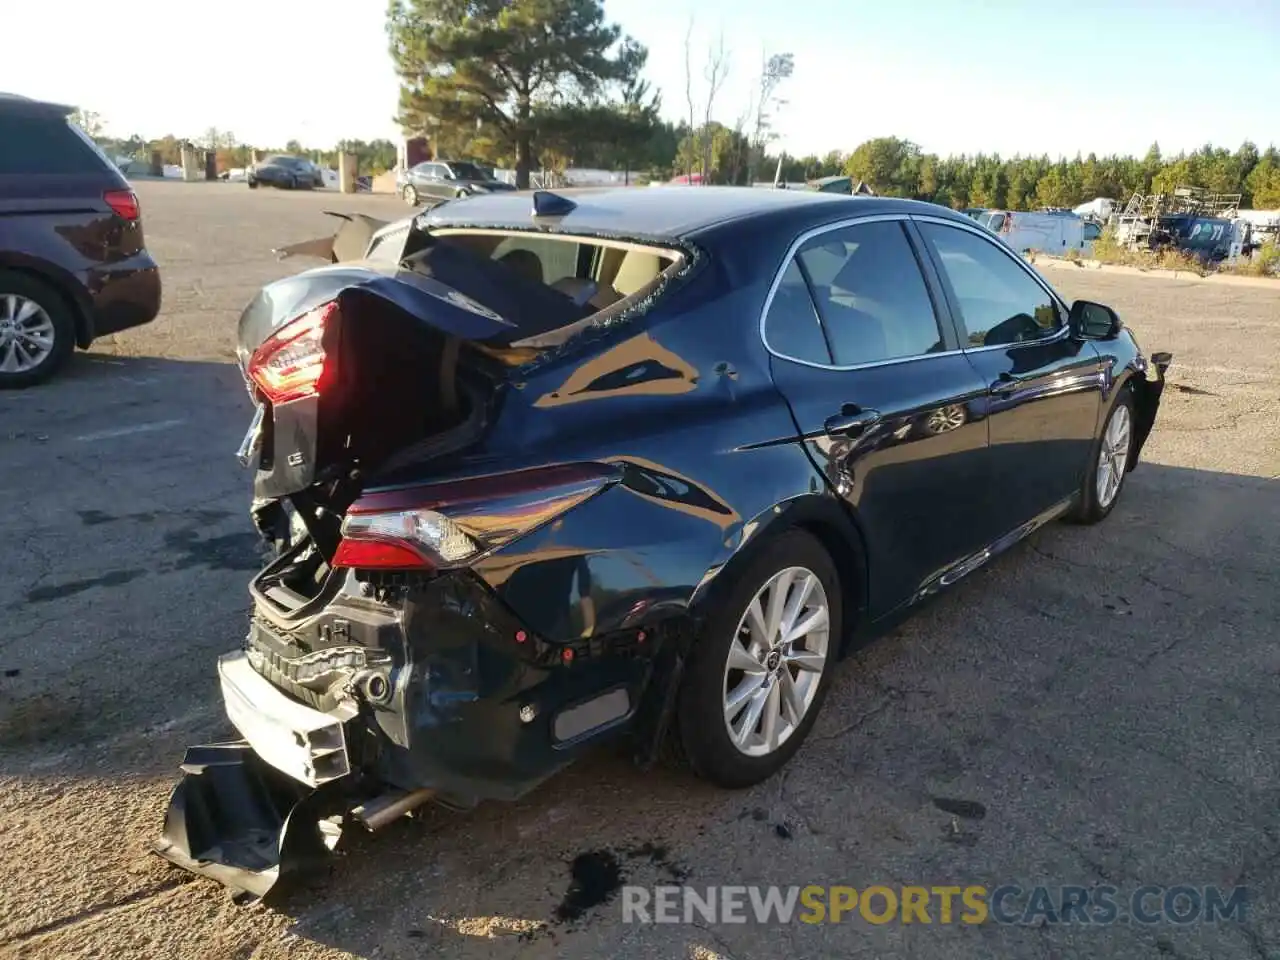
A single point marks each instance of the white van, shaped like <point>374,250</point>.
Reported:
<point>1051,233</point>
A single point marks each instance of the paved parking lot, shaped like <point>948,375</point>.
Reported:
<point>1098,707</point>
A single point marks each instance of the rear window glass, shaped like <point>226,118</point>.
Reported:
<point>540,258</point>
<point>44,145</point>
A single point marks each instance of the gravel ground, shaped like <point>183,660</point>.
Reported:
<point>1097,707</point>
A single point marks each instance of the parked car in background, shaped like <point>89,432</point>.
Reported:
<point>446,180</point>
<point>290,173</point>
<point>73,266</point>
<point>1052,233</point>
<point>577,464</point>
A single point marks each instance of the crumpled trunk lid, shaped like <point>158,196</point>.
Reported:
<point>411,351</point>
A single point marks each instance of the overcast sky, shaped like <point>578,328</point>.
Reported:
<point>1003,76</point>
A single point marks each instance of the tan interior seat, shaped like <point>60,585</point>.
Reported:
<point>576,287</point>
<point>637,270</point>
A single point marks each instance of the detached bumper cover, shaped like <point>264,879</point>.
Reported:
<point>235,819</point>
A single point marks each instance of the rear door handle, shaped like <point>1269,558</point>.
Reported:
<point>1005,385</point>
<point>851,420</point>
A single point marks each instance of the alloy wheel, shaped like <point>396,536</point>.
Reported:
<point>26,334</point>
<point>776,660</point>
<point>1113,456</point>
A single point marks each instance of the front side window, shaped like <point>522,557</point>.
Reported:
<point>466,171</point>
<point>1000,303</point>
<point>870,294</point>
<point>791,326</point>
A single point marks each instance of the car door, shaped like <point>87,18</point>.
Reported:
<point>430,182</point>
<point>889,408</point>
<point>1045,387</point>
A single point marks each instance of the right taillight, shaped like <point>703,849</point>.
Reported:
<point>445,525</point>
<point>292,362</point>
<point>124,203</point>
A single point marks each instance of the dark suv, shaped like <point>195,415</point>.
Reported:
<point>72,262</point>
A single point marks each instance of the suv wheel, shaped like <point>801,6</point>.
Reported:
<point>761,669</point>
<point>37,330</point>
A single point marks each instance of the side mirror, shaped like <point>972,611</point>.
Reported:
<point>1093,321</point>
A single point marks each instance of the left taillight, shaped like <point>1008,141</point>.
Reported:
<point>441,526</point>
<point>292,362</point>
<point>124,203</point>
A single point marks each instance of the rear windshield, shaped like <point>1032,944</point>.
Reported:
<point>541,283</point>
<point>44,144</point>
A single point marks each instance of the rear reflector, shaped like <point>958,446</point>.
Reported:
<point>123,202</point>
<point>291,362</point>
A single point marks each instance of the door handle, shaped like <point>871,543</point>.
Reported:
<point>1006,384</point>
<point>850,420</point>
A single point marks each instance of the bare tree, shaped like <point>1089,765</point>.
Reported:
<point>716,71</point>
<point>774,69</point>
<point>688,95</point>
<point>741,148</point>
<point>88,121</point>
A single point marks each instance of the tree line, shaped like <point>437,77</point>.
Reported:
<point>529,84</point>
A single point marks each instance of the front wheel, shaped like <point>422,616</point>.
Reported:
<point>1112,454</point>
<point>759,672</point>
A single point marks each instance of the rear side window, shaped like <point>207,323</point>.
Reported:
<point>44,145</point>
<point>791,326</point>
<point>870,294</point>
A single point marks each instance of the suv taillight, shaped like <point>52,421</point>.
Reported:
<point>450,524</point>
<point>291,363</point>
<point>124,203</point>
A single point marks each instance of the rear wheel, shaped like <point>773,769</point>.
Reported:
<point>37,330</point>
<point>762,667</point>
<point>1112,454</point>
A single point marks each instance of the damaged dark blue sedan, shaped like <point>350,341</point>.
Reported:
<point>544,469</point>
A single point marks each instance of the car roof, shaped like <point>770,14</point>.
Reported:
<point>12,103</point>
<point>667,212</point>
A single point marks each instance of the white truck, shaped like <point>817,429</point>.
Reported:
<point>1051,233</point>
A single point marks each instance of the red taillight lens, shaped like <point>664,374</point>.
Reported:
<point>291,362</point>
<point>123,202</point>
<point>450,524</point>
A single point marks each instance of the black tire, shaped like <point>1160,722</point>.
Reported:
<point>253,184</point>
<point>700,725</point>
<point>49,299</point>
<point>1088,509</point>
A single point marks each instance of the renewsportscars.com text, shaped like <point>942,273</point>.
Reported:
<point>973,904</point>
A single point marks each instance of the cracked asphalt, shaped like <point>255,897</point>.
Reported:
<point>1097,707</point>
